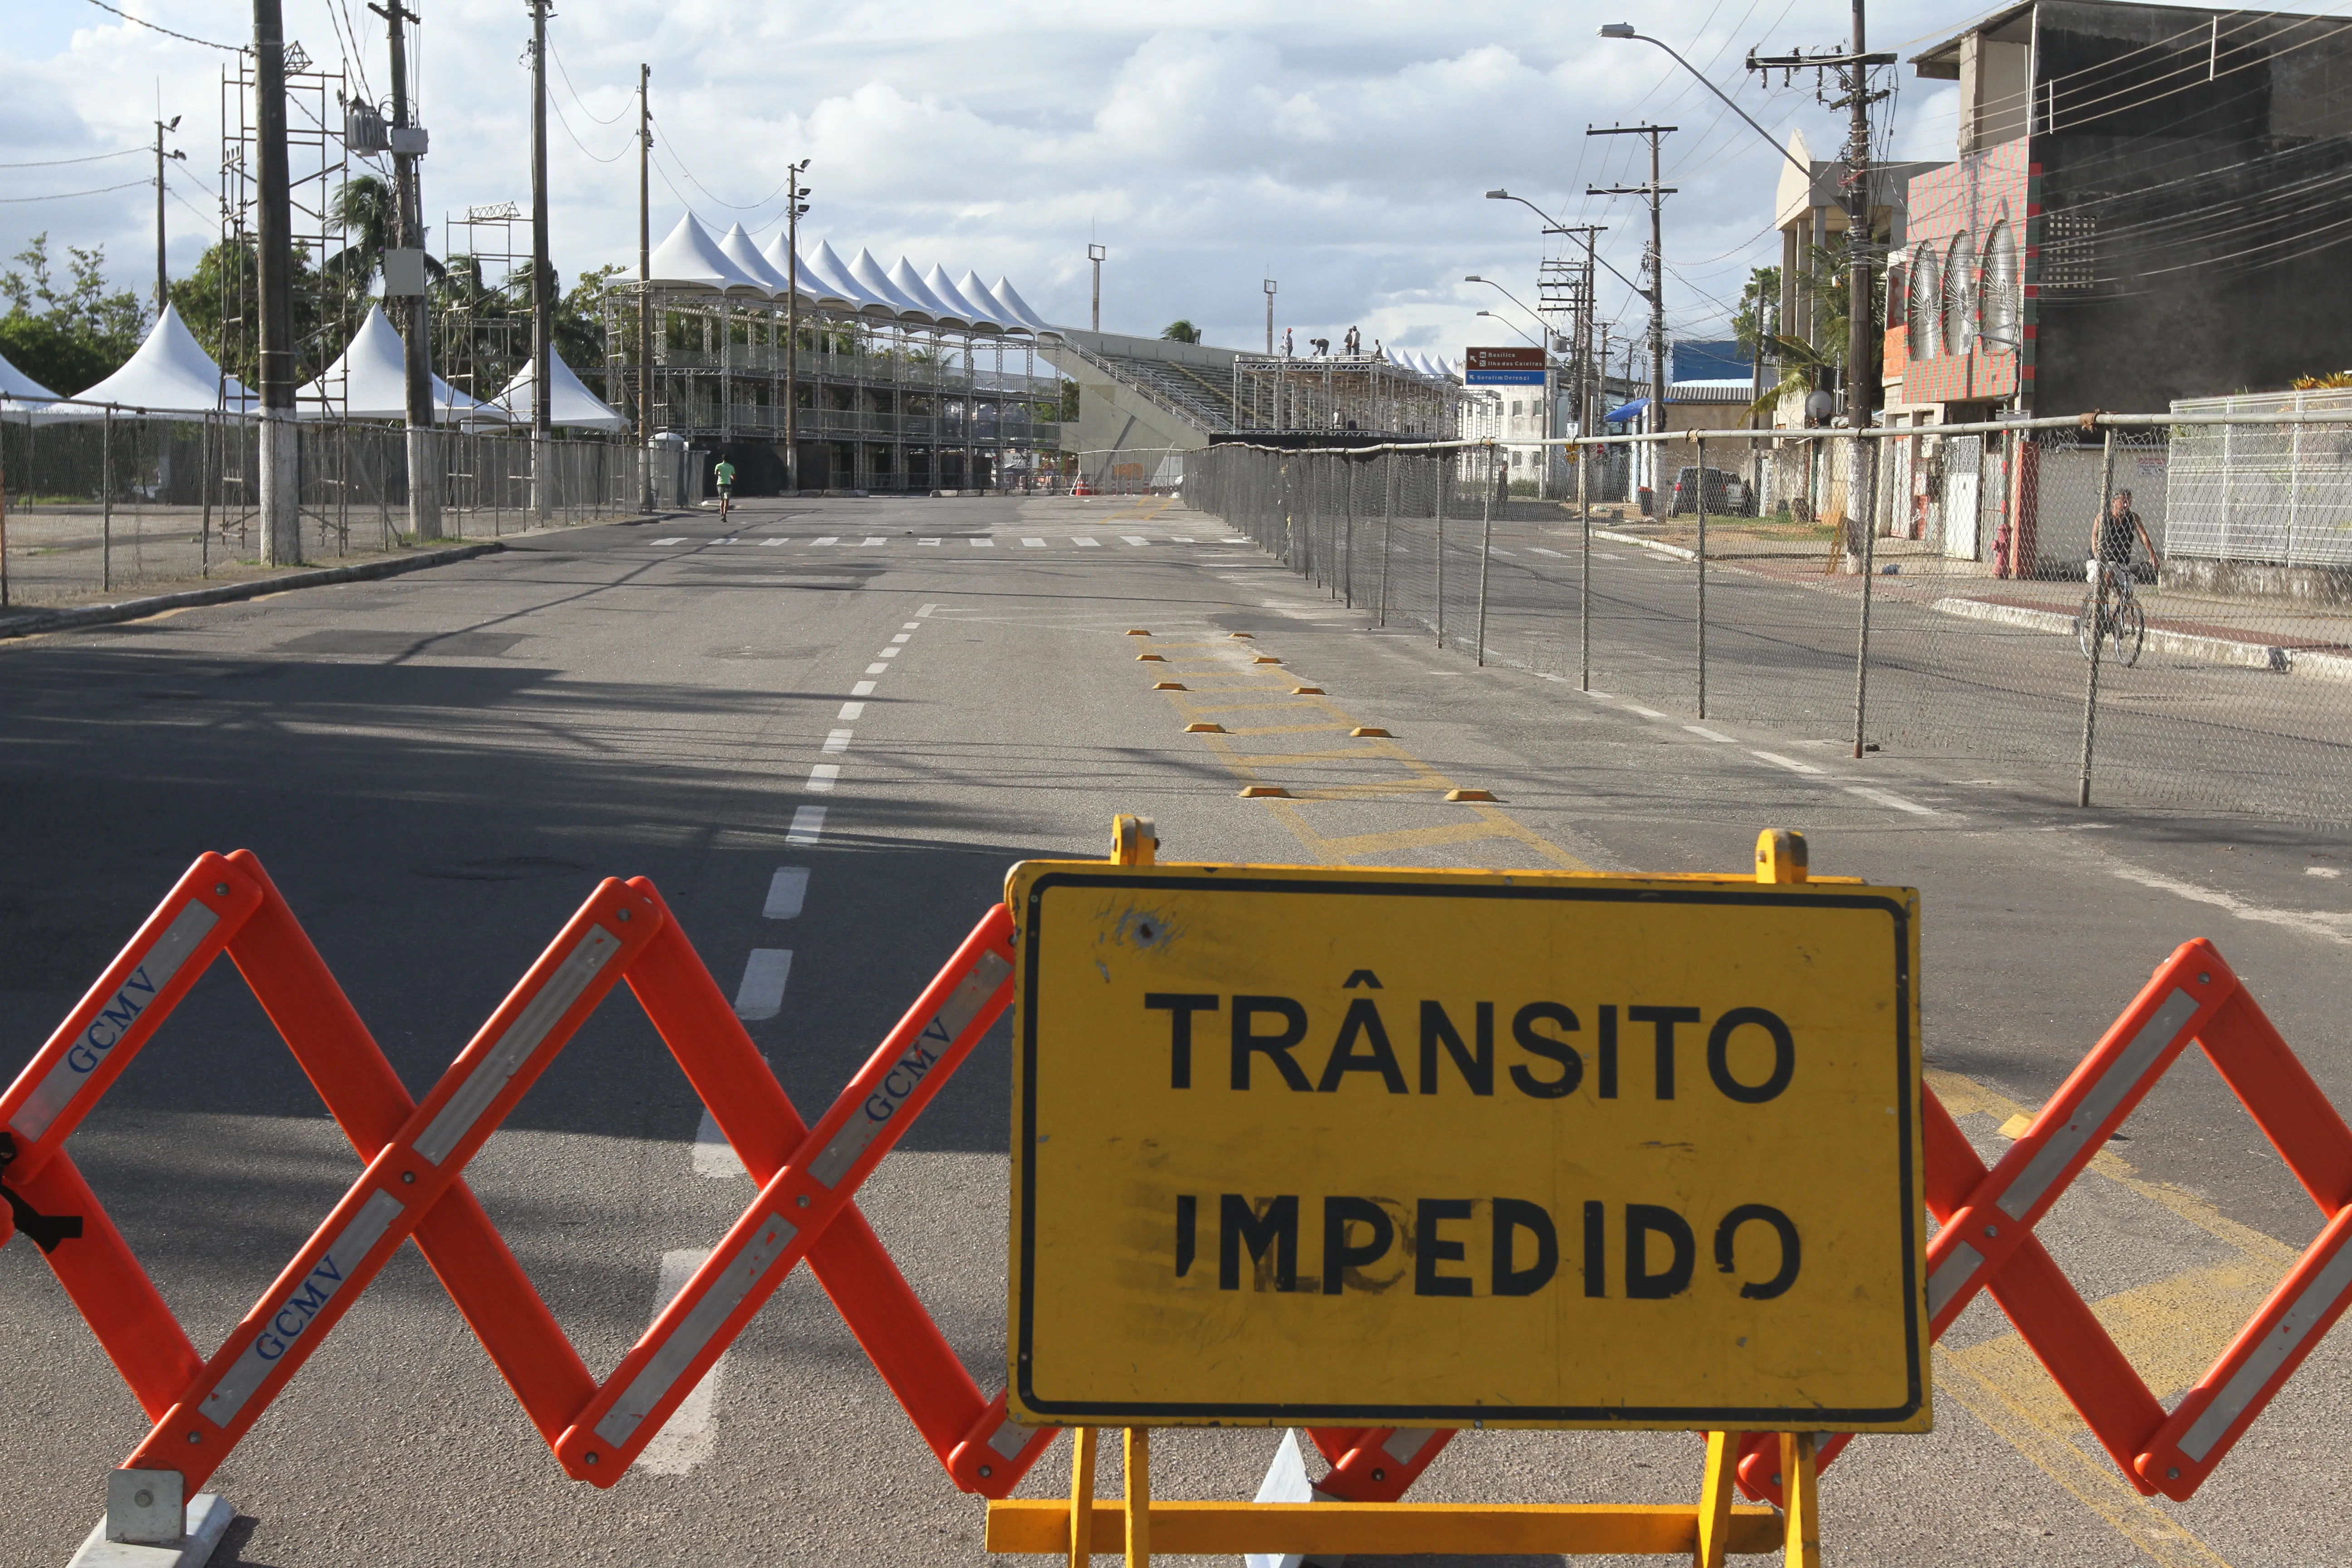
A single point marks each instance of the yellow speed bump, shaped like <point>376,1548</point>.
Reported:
<point>1170,686</point>
<point>1137,632</point>
<point>1243,636</point>
<point>1204,728</point>
<point>1151,659</point>
<point>1370,733</point>
<point>1307,691</point>
<point>1264,792</point>
<point>1265,658</point>
<point>1469,795</point>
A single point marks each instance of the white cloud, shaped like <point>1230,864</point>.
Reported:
<point>1345,146</point>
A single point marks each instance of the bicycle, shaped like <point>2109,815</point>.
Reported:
<point>2124,625</point>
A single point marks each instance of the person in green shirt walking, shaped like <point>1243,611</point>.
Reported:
<point>724,473</point>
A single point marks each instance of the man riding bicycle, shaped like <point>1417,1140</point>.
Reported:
<point>2111,610</point>
<point>2119,529</point>
<point>723,474</point>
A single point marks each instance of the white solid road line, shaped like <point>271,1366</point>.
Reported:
<point>686,1438</point>
<point>1704,733</point>
<point>787,891</point>
<point>1888,797</point>
<point>852,710</point>
<point>714,1157</point>
<point>837,740</point>
<point>1790,764</point>
<point>862,689</point>
<point>825,776</point>
<point>761,993</point>
<point>807,828</point>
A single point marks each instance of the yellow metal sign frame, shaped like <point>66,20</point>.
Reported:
<point>1837,961</point>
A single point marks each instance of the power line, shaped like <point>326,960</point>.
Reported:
<point>69,195</point>
<point>666,144</point>
<point>582,145</point>
<point>93,158</point>
<point>557,55</point>
<point>141,21</point>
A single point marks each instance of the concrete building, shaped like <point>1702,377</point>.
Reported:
<point>2149,205</point>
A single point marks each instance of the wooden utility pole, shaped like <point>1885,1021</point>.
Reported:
<point>793,208</point>
<point>163,271</point>
<point>408,234</point>
<point>1658,259</point>
<point>543,281</point>
<point>281,515</point>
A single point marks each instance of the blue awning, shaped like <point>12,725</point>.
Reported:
<point>1631,410</point>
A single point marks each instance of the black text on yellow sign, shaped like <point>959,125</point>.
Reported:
<point>1428,1148</point>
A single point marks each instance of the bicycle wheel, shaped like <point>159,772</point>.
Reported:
<point>2128,626</point>
<point>2083,635</point>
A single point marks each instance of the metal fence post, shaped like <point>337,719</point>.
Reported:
<point>1485,548</point>
<point>1699,560</point>
<point>2098,610</point>
<point>1866,465</point>
<point>1388,525</point>
<point>1348,511</point>
<point>106,503</point>
<point>1584,566</point>
<point>1445,461</point>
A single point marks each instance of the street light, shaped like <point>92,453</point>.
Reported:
<point>1094,253</point>
<point>1510,323</point>
<point>1556,229</point>
<point>1625,30</point>
<point>1505,293</point>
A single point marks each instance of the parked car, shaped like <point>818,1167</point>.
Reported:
<point>1728,494</point>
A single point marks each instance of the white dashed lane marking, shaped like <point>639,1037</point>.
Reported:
<point>1704,733</point>
<point>838,741</point>
<point>872,669</point>
<point>852,710</point>
<point>1888,797</point>
<point>863,688</point>
<point>807,828</point>
<point>686,1438</point>
<point>825,776</point>
<point>1790,764</point>
<point>787,891</point>
<point>761,993</point>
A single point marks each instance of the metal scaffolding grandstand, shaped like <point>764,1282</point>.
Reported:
<point>1278,394</point>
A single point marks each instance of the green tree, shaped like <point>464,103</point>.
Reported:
<point>1759,303</point>
<point>1180,331</point>
<point>73,336</point>
<point>1805,365</point>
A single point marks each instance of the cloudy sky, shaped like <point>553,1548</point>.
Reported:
<point>1342,149</point>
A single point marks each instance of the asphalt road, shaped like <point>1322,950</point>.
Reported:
<point>437,768</point>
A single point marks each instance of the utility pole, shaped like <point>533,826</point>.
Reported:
<point>1852,68</point>
<point>281,514</point>
<point>645,291</point>
<point>1270,318</point>
<point>162,273</point>
<point>408,233</point>
<point>1658,259</point>
<point>1094,253</point>
<point>792,211</point>
<point>542,286</point>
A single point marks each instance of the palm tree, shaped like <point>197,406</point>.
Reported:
<point>1180,331</point>
<point>369,213</point>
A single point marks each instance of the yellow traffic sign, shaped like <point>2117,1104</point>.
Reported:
<point>1297,1146</point>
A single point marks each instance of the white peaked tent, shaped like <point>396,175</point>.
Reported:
<point>738,248</point>
<point>975,293</point>
<point>963,305</point>
<point>370,381</point>
<point>868,272</point>
<point>1016,307</point>
<point>907,281</point>
<point>690,258</point>
<point>815,289</point>
<point>834,273</point>
<point>168,374</point>
<point>574,406</point>
<point>20,394</point>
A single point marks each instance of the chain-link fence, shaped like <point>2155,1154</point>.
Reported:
<point>1954,627</point>
<point>98,505</point>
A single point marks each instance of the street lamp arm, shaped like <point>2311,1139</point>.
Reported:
<point>1505,293</point>
<point>1619,30</point>
<point>1512,324</point>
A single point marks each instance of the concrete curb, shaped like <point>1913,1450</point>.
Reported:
<point>1676,551</point>
<point>229,593</point>
<point>2185,645</point>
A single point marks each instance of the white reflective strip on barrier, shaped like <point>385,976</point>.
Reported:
<point>2255,1372</point>
<point>2120,1078</point>
<point>1947,1281</point>
<point>318,1288</point>
<point>963,1004</point>
<point>669,1363</point>
<point>114,1020</point>
<point>1405,1444</point>
<point>503,1061</point>
<point>1010,1439</point>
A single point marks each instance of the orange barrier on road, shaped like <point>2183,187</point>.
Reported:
<point>412,1187</point>
<point>1986,1243</point>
